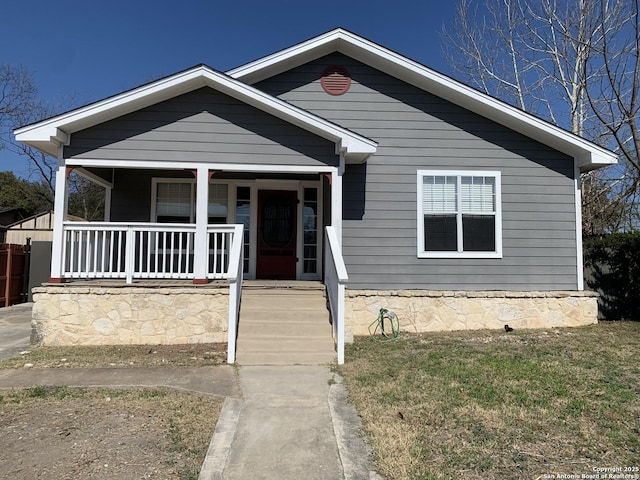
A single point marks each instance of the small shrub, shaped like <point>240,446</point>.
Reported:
<point>612,268</point>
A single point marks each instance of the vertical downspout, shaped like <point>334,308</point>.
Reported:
<point>579,254</point>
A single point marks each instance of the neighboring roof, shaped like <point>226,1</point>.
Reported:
<point>49,213</point>
<point>11,209</point>
<point>9,215</point>
<point>50,134</point>
<point>588,154</point>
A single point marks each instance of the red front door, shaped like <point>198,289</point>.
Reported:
<point>277,234</point>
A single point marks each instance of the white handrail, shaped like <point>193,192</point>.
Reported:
<point>335,279</point>
<point>235,277</point>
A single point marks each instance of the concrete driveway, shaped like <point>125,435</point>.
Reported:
<point>15,329</point>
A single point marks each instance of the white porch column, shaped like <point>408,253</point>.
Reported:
<point>200,256</point>
<point>60,215</point>
<point>336,202</point>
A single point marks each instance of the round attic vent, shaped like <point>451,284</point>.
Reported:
<point>335,80</point>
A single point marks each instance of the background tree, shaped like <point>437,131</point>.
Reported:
<point>20,193</point>
<point>20,105</point>
<point>564,60</point>
<point>86,199</point>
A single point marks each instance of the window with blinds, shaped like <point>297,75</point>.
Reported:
<point>174,202</point>
<point>459,214</point>
<point>218,201</point>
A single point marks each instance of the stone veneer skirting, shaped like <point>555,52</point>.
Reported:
<point>104,315</point>
<point>80,315</point>
<point>431,311</point>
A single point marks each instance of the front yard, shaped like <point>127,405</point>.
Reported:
<point>498,405</point>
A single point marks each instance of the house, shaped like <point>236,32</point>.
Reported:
<point>335,160</point>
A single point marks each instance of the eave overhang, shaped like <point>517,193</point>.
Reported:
<point>51,134</point>
<point>587,155</point>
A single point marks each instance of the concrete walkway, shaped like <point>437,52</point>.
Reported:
<point>293,422</point>
<point>277,422</point>
<point>15,329</point>
<point>217,381</point>
<point>280,422</point>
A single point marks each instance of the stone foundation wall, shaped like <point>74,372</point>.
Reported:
<point>428,311</point>
<point>68,315</point>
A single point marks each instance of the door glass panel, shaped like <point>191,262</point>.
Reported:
<point>310,232</point>
<point>243,217</point>
<point>277,223</point>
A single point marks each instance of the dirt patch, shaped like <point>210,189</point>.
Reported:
<point>66,433</point>
<point>199,354</point>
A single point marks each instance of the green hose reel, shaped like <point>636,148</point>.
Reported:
<point>377,327</point>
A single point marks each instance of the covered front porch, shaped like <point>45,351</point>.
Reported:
<point>206,179</point>
<point>207,234</point>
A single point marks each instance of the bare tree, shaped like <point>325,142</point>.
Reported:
<point>20,105</point>
<point>614,97</point>
<point>563,60</point>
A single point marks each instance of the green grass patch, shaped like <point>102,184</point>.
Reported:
<point>494,405</point>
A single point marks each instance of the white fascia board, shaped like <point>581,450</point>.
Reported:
<point>42,134</point>
<point>588,154</point>
<point>168,165</point>
<point>351,142</point>
<point>62,126</point>
<point>288,58</point>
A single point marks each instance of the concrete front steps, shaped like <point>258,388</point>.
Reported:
<point>284,324</point>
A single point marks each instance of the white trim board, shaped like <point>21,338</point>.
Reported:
<point>48,135</point>
<point>587,154</point>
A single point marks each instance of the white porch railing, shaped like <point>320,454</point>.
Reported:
<point>143,250</point>
<point>335,274</point>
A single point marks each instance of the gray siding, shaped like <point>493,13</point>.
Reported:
<point>202,126</point>
<point>417,130</point>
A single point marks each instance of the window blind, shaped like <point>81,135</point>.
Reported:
<point>218,200</point>
<point>174,199</point>
<point>477,195</point>
<point>439,194</point>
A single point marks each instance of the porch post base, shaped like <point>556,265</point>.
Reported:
<point>56,280</point>
<point>200,281</point>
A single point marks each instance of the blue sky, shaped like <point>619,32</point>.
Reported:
<point>86,50</point>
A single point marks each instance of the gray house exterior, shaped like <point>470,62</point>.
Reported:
<point>335,160</point>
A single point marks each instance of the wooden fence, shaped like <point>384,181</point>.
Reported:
<point>13,269</point>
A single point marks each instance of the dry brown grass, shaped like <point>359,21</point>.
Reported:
<point>479,405</point>
<point>200,354</point>
<point>70,433</point>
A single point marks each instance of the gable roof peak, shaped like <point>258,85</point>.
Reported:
<point>587,154</point>
<point>51,134</point>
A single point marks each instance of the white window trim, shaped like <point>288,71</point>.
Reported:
<point>154,195</point>
<point>498,214</point>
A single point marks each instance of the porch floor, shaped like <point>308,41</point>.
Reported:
<point>155,283</point>
<point>248,284</point>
